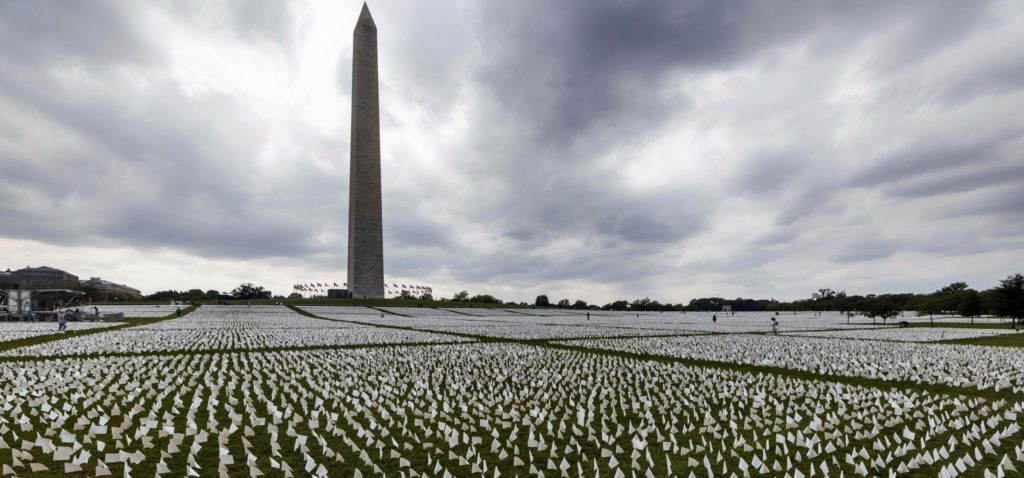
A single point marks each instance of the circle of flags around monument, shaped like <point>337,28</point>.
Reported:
<point>316,289</point>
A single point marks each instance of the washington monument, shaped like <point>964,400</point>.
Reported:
<point>365,232</point>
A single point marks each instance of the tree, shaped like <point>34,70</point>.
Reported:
<point>91,292</point>
<point>1010,297</point>
<point>949,297</point>
<point>618,305</point>
<point>928,306</point>
<point>884,308</point>
<point>485,299</point>
<point>461,296</point>
<point>563,304</point>
<point>953,288</point>
<point>248,291</point>
<point>970,305</point>
<point>295,295</point>
<point>579,304</point>
<point>542,301</point>
<point>823,294</point>
<point>641,304</point>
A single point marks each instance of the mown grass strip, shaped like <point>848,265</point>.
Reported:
<point>519,312</point>
<point>1009,340</point>
<point>965,325</point>
<point>383,311</point>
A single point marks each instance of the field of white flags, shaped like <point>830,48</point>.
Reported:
<point>957,365</point>
<point>154,310</point>
<point>229,328</point>
<point>358,392</point>
<point>23,330</point>
<point>908,335</point>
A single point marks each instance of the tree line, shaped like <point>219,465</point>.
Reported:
<point>1005,299</point>
<point>245,291</point>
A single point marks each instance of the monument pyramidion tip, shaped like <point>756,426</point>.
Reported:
<point>365,19</point>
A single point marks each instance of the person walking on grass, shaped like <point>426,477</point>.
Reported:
<point>62,322</point>
<point>775,326</point>
<point>177,311</point>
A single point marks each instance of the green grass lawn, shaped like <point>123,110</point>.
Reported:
<point>1014,340</point>
<point>1005,325</point>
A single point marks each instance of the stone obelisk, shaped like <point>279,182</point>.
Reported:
<point>365,231</point>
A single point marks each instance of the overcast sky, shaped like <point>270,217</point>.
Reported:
<point>583,149</point>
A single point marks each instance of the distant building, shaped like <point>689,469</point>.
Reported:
<point>7,279</point>
<point>107,288</point>
<point>726,308</point>
<point>44,275</point>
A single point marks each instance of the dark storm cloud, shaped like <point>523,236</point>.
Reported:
<point>591,206</point>
<point>967,179</point>
<point>770,171</point>
<point>567,81</point>
<point>865,251</point>
<point>410,230</point>
<point>564,83</point>
<point>923,29</point>
<point>938,156</point>
<point>92,33</point>
<point>567,67</point>
<point>560,163</point>
<point>807,202</point>
<point>261,19</point>
<point>1005,202</point>
<point>260,22</point>
<point>153,167</point>
<point>1006,75</point>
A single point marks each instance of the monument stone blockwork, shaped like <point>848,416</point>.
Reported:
<point>365,228</point>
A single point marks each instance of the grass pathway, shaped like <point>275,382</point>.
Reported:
<point>1011,340</point>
